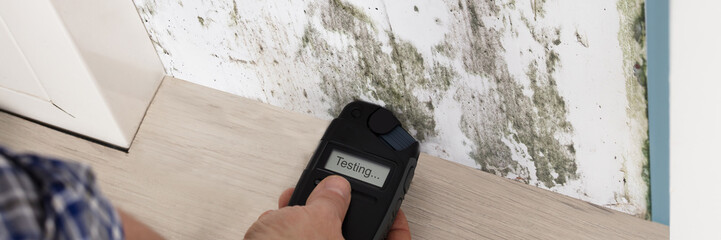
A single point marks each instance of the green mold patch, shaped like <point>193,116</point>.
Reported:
<point>309,34</point>
<point>341,15</point>
<point>639,25</point>
<point>631,38</point>
<point>441,77</point>
<point>581,39</point>
<point>148,8</point>
<point>484,43</point>
<point>444,49</point>
<point>544,148</point>
<point>504,112</point>
<point>557,41</point>
<point>551,61</point>
<point>234,15</point>
<point>646,176</point>
<point>363,68</point>
<point>538,8</point>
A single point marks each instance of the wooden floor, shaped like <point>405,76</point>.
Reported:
<point>205,164</point>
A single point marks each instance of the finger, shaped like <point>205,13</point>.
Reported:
<point>333,194</point>
<point>285,197</point>
<point>265,213</point>
<point>399,229</point>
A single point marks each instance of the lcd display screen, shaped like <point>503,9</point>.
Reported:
<point>358,168</point>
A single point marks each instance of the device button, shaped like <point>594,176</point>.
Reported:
<point>409,177</point>
<point>382,121</point>
<point>356,113</point>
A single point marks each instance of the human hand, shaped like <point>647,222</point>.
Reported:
<point>321,217</point>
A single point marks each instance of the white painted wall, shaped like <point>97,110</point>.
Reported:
<point>260,50</point>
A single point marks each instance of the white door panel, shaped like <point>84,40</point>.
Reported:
<point>87,66</point>
<point>16,74</point>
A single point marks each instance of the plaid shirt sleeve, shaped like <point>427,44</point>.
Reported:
<point>43,198</point>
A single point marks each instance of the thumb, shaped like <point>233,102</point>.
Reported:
<point>332,195</point>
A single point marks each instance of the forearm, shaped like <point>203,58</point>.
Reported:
<point>136,230</point>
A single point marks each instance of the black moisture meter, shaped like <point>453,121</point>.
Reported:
<point>367,145</point>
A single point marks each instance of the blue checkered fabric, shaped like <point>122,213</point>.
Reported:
<point>43,198</point>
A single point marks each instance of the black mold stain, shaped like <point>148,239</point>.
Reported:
<point>581,39</point>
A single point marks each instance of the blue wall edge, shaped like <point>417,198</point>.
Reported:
<point>657,40</point>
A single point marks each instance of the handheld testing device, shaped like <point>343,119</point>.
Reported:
<point>367,145</point>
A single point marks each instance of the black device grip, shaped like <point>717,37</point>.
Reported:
<point>374,134</point>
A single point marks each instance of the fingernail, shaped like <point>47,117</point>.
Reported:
<point>337,184</point>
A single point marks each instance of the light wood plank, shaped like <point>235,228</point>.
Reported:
<point>205,164</point>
